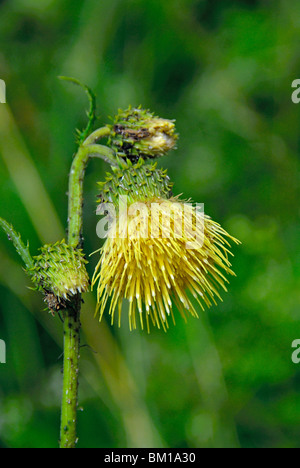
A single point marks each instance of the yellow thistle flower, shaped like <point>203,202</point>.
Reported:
<point>159,256</point>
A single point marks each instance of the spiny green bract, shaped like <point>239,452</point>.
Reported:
<point>59,271</point>
<point>139,133</point>
<point>140,181</point>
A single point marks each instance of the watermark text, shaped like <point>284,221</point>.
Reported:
<point>2,92</point>
<point>160,219</point>
<point>2,352</point>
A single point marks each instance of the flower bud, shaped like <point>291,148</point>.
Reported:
<point>59,271</point>
<point>139,182</point>
<point>138,133</point>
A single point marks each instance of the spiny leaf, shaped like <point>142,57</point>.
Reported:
<point>15,237</point>
<point>91,114</point>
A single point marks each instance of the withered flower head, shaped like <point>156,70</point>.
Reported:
<point>137,133</point>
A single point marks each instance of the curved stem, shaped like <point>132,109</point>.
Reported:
<point>103,152</point>
<point>72,324</point>
<point>97,135</point>
<point>76,186</point>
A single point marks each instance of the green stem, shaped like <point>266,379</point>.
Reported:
<point>68,436</point>
<point>97,135</point>
<point>76,186</point>
<point>72,324</point>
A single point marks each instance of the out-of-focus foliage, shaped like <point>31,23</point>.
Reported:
<point>223,70</point>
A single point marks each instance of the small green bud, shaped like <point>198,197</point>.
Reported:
<point>138,133</point>
<point>59,271</point>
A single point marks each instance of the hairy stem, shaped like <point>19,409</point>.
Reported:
<point>68,437</point>
<point>76,186</point>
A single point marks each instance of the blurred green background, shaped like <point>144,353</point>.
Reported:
<point>223,70</point>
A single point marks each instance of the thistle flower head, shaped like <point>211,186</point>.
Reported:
<point>59,271</point>
<point>159,249</point>
<point>139,133</point>
<point>164,255</point>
